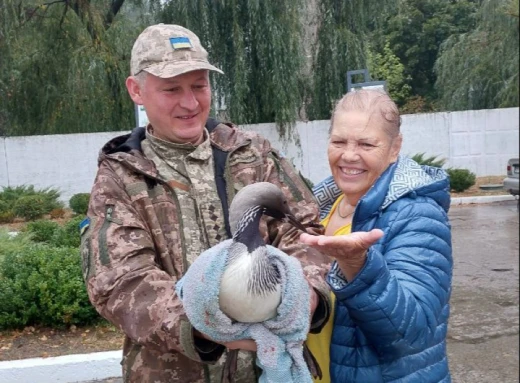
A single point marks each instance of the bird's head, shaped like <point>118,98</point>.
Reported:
<point>268,197</point>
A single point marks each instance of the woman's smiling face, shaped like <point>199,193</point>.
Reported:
<point>360,149</point>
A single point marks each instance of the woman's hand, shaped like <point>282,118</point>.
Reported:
<point>348,250</point>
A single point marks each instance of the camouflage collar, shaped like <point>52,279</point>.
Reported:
<point>127,148</point>
<point>171,151</point>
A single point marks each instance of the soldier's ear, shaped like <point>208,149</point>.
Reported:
<point>134,89</point>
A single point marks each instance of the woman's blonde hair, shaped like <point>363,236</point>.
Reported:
<point>371,101</point>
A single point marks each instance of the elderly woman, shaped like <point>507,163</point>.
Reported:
<point>387,228</point>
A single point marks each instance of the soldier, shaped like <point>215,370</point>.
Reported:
<point>160,198</point>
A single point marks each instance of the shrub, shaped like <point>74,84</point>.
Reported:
<point>11,194</point>
<point>429,161</point>
<point>42,230</point>
<point>57,213</point>
<point>43,285</point>
<point>51,197</point>
<point>48,199</point>
<point>10,243</point>
<point>68,235</point>
<point>30,207</point>
<point>6,214</point>
<point>461,179</point>
<point>4,206</point>
<point>7,217</point>
<point>79,203</point>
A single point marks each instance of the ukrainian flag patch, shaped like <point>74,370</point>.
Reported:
<point>83,226</point>
<point>180,42</point>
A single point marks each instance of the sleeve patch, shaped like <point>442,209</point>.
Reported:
<point>84,225</point>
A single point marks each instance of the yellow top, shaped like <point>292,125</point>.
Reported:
<point>319,344</point>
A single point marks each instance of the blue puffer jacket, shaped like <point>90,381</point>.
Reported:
<point>391,320</point>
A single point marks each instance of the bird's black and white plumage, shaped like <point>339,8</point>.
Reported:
<point>250,289</point>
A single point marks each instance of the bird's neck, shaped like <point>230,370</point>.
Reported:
<point>247,231</point>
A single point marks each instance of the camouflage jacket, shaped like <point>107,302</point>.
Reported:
<point>133,253</point>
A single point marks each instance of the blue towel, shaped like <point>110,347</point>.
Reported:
<point>279,340</point>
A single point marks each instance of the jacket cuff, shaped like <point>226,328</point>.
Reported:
<point>373,269</point>
<point>336,279</point>
<point>208,351</point>
<point>198,349</point>
<point>322,312</point>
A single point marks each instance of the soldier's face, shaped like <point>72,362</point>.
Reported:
<point>177,107</point>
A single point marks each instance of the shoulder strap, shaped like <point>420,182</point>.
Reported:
<point>219,159</point>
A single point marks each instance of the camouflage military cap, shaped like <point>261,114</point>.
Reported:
<point>166,50</point>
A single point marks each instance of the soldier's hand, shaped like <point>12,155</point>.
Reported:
<point>245,344</point>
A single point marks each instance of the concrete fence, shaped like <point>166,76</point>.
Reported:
<point>479,140</point>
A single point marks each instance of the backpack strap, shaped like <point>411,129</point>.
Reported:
<point>219,159</point>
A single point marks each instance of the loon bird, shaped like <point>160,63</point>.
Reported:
<point>250,289</point>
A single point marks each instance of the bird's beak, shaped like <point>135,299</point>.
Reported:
<point>294,222</point>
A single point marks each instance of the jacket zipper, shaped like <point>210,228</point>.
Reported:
<point>230,190</point>
<point>178,209</point>
<point>181,225</point>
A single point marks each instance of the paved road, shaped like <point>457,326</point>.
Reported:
<point>483,340</point>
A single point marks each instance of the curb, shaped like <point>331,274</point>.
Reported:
<point>104,365</point>
<point>482,199</point>
<point>62,369</point>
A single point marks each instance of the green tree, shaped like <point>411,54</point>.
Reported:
<point>258,46</point>
<point>279,56</point>
<point>479,69</point>
<point>415,33</point>
<point>387,66</point>
<point>342,33</point>
<point>65,63</point>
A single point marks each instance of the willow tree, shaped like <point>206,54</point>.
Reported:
<point>341,45</point>
<point>7,25</point>
<point>67,63</point>
<point>258,46</point>
<point>479,69</point>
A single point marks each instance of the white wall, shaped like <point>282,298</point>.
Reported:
<point>4,175</point>
<point>481,141</point>
<point>67,162</point>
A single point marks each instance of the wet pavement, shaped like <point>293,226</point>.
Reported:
<point>483,341</point>
<point>483,338</point>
